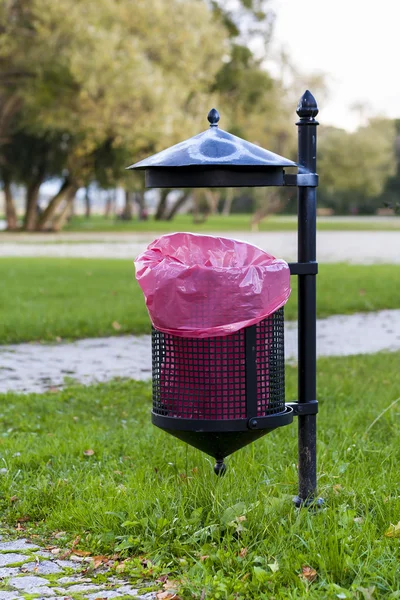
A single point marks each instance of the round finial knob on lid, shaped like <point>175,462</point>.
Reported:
<point>213,117</point>
<point>307,107</point>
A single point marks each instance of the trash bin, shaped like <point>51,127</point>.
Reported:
<point>216,306</point>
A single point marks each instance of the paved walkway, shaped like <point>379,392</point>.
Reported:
<point>28,569</point>
<point>37,367</point>
<point>358,247</point>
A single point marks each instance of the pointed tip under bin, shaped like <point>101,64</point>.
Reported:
<point>307,107</point>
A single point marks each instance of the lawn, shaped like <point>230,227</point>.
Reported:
<point>219,223</point>
<point>87,461</point>
<point>50,298</point>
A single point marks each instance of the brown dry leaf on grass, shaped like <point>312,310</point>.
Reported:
<point>99,560</point>
<point>14,499</point>
<point>170,590</point>
<point>308,574</point>
<point>80,553</point>
<point>171,584</point>
<point>167,596</point>
<point>393,531</point>
<point>116,325</point>
<point>60,534</point>
<point>88,452</point>
<point>243,552</point>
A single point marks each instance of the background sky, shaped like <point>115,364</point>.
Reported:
<point>355,42</point>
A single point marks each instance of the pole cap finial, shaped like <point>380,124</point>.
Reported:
<point>307,107</point>
<point>213,117</point>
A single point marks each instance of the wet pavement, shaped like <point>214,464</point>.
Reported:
<point>36,367</point>
<point>29,571</point>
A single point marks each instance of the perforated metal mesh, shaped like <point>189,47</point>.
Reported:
<point>206,378</point>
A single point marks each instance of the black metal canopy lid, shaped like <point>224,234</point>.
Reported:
<point>217,151</point>
<point>214,147</point>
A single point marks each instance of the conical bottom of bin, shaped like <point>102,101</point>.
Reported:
<point>219,444</point>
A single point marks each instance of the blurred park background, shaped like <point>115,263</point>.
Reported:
<point>88,88</point>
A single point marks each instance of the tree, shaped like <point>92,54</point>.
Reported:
<point>106,78</point>
<point>354,167</point>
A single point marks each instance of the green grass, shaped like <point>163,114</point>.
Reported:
<point>50,298</point>
<point>147,496</point>
<point>235,222</point>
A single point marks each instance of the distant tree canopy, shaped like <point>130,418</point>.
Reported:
<point>355,167</point>
<point>89,86</point>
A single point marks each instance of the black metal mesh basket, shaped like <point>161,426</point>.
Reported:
<point>212,378</point>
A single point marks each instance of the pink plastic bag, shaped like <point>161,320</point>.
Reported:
<point>203,286</point>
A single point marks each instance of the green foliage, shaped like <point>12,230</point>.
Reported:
<point>76,298</point>
<point>159,504</point>
<point>355,167</point>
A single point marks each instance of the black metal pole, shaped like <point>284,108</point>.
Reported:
<point>307,385</point>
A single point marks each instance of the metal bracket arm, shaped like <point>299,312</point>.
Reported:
<point>306,268</point>
<point>304,408</point>
<point>301,179</point>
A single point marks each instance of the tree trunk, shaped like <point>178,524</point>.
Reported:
<point>270,206</point>
<point>178,204</point>
<point>139,198</point>
<point>49,213</point>
<point>88,204</point>
<point>11,213</point>
<point>32,197</point>
<point>213,200</point>
<point>60,220</point>
<point>162,205</point>
<point>127,211</point>
<point>226,210</point>
<point>107,208</point>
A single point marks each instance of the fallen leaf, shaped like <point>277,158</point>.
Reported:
<point>116,325</point>
<point>23,519</point>
<point>274,566</point>
<point>55,551</point>
<point>243,552</point>
<point>76,541</point>
<point>60,534</point>
<point>171,584</point>
<point>167,596</point>
<point>393,531</point>
<point>99,560</point>
<point>337,488</point>
<point>308,573</point>
<point>58,339</point>
<point>89,452</point>
<point>80,553</point>
<point>14,498</point>
<point>203,558</point>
